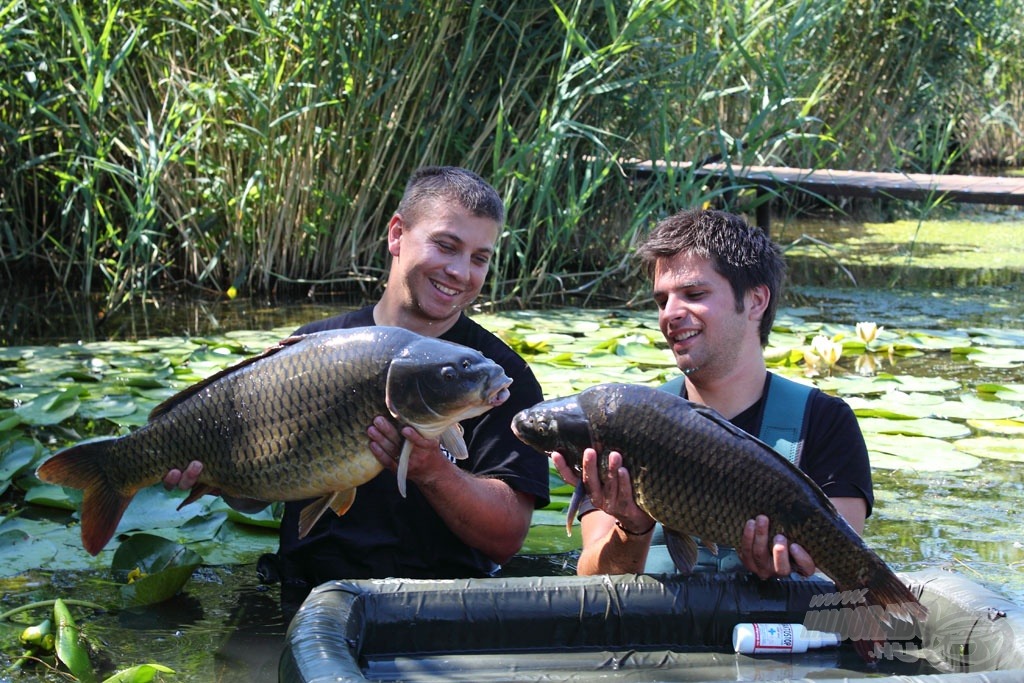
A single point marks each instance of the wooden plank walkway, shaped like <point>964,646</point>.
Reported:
<point>917,186</point>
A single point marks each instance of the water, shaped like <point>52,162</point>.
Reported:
<point>228,627</point>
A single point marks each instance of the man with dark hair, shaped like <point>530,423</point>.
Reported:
<point>461,518</point>
<point>717,282</point>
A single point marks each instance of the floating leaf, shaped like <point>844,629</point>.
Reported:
<point>995,447</point>
<point>936,429</point>
<point>972,407</point>
<point>143,673</point>
<point>1006,427</point>
<point>1004,392</point>
<point>51,408</point>
<point>162,566</point>
<point>896,452</point>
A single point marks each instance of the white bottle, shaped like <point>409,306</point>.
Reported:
<point>779,638</point>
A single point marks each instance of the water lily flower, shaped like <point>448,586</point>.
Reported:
<point>867,332</point>
<point>829,351</point>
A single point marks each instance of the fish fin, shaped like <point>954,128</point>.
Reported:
<point>574,506</point>
<point>403,466</point>
<point>711,546</point>
<point>454,443</point>
<point>682,549</point>
<point>339,501</point>
<point>191,391</point>
<point>885,597</point>
<point>103,505</point>
<point>197,492</point>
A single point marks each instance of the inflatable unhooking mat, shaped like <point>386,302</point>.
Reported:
<point>644,628</point>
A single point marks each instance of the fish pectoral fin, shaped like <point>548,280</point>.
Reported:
<point>454,443</point>
<point>195,493</point>
<point>339,501</point>
<point>574,505</point>
<point>403,466</point>
<point>682,549</point>
<point>711,546</point>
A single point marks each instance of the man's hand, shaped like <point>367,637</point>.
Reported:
<point>771,557</point>
<point>610,491</point>
<point>187,478</point>
<point>425,457</point>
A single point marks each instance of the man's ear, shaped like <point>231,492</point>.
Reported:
<point>396,227</point>
<point>757,300</point>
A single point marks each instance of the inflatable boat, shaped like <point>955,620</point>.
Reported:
<point>637,628</point>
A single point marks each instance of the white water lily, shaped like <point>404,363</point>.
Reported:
<point>867,332</point>
<point>827,350</point>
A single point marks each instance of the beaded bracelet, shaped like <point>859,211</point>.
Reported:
<point>636,533</point>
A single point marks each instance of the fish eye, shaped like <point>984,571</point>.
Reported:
<point>448,373</point>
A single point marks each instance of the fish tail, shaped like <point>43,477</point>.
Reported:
<point>885,598</point>
<point>103,504</point>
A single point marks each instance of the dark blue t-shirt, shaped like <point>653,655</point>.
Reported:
<point>385,535</point>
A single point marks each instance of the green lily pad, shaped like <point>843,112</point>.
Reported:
<point>52,407</point>
<point>1005,427</point>
<point>1004,392</point>
<point>154,568</point>
<point>143,673</point>
<point>925,454</point>
<point>994,447</point>
<point>936,429</point>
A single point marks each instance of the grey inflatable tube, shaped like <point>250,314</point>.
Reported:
<point>636,628</point>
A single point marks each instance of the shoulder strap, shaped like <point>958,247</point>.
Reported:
<point>674,386</point>
<point>783,420</point>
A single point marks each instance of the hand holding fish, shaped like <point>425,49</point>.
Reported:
<point>425,453</point>
<point>771,557</point>
<point>186,479</point>
<point>610,491</point>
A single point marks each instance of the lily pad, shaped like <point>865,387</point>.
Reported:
<point>1005,427</point>
<point>924,454</point>
<point>153,568</point>
<point>936,429</point>
<point>994,447</point>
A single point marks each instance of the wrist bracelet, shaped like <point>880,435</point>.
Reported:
<point>636,533</point>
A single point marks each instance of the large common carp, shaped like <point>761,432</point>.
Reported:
<point>288,424</point>
<point>699,475</point>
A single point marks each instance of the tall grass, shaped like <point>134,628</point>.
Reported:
<point>202,144</point>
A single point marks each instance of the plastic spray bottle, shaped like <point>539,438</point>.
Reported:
<point>779,639</point>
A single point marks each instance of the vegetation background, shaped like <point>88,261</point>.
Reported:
<point>209,144</point>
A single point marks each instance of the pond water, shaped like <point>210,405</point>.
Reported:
<point>965,517</point>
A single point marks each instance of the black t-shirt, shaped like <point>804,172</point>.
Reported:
<point>385,535</point>
<point>834,454</point>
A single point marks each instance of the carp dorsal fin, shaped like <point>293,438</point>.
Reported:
<point>682,549</point>
<point>188,392</point>
<point>339,501</point>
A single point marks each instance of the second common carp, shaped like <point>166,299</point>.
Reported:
<point>288,424</point>
<point>699,475</point>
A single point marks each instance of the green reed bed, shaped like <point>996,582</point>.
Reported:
<point>262,146</point>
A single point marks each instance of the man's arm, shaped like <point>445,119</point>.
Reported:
<point>609,548</point>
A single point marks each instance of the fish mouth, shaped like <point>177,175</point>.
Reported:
<point>499,394</point>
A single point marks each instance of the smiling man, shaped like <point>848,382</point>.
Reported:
<point>460,518</point>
